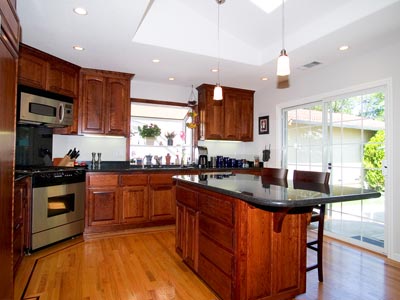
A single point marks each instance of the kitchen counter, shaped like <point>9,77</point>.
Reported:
<point>126,167</point>
<point>246,236</point>
<point>262,193</point>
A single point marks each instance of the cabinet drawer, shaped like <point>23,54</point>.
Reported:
<point>161,179</point>
<point>102,180</point>
<point>218,256</point>
<point>222,210</point>
<point>218,232</point>
<point>186,197</point>
<point>216,279</point>
<point>133,180</point>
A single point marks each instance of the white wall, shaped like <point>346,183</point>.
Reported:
<point>381,64</point>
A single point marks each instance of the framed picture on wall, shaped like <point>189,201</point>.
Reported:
<point>263,125</point>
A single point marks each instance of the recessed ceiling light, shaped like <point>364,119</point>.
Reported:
<point>79,48</point>
<point>80,11</point>
<point>214,70</point>
<point>171,78</point>
<point>264,78</point>
<point>156,60</point>
<point>344,48</point>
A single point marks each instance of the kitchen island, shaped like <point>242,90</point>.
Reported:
<point>246,236</point>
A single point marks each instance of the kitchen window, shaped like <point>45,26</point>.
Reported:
<point>169,117</point>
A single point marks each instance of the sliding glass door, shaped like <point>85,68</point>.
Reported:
<point>344,135</point>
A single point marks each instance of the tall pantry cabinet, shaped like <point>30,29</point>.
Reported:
<point>9,40</point>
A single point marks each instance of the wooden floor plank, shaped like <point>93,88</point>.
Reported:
<point>144,266</point>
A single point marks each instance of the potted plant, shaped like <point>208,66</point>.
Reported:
<point>149,133</point>
<point>170,136</point>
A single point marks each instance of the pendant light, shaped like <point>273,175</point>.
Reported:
<point>192,98</point>
<point>283,67</point>
<point>218,88</point>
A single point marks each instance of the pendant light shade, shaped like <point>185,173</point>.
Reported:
<point>218,88</point>
<point>217,92</point>
<point>283,68</point>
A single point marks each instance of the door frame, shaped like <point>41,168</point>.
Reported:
<point>390,231</point>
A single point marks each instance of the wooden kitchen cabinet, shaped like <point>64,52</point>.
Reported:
<point>105,102</point>
<point>229,119</point>
<point>9,41</point>
<point>119,200</point>
<point>46,72</point>
<point>162,197</point>
<point>135,199</point>
<point>235,248</point>
<point>21,217</point>
<point>43,71</point>
<point>102,200</point>
<point>187,224</point>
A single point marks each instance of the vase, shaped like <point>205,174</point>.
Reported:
<point>170,142</point>
<point>149,141</point>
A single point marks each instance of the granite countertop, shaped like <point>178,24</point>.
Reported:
<point>260,192</point>
<point>122,166</point>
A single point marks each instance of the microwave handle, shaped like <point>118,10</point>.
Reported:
<point>61,112</point>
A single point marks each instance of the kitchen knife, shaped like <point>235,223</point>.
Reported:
<point>69,152</point>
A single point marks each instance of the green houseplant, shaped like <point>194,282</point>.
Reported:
<point>149,133</point>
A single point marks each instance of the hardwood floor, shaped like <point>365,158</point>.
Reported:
<point>143,265</point>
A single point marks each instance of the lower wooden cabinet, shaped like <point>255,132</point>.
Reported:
<point>233,247</point>
<point>103,206</point>
<point>117,201</point>
<point>21,219</point>
<point>187,224</point>
<point>162,197</point>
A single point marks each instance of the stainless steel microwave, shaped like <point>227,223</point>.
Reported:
<point>43,108</point>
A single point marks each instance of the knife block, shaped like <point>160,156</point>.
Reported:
<point>65,161</point>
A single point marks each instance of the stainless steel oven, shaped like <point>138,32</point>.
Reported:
<point>58,198</point>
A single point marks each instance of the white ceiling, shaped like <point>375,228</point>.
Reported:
<point>125,35</point>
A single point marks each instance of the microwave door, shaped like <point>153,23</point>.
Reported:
<point>37,109</point>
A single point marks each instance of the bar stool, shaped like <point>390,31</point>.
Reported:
<point>274,173</point>
<point>317,215</point>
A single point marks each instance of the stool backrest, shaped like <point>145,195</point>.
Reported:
<point>311,176</point>
<point>274,173</point>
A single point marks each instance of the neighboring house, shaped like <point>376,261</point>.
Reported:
<point>349,134</point>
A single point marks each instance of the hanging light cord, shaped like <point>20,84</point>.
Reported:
<point>219,4</point>
<point>283,24</point>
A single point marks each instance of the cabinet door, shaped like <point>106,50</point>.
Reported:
<point>211,115</point>
<point>190,253</point>
<point>118,107</point>
<point>32,69</point>
<point>180,232</point>
<point>135,204</point>
<point>245,109</point>
<point>162,202</point>
<point>232,116</point>
<point>103,206</point>
<point>62,78</point>
<point>93,104</point>
<point>21,193</point>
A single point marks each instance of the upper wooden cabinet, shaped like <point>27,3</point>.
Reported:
<point>41,70</point>
<point>105,102</point>
<point>229,119</point>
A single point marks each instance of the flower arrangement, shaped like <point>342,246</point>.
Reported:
<point>151,130</point>
<point>193,123</point>
<point>170,135</point>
